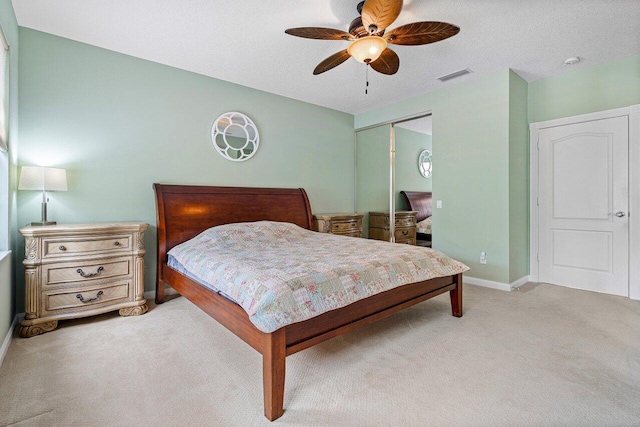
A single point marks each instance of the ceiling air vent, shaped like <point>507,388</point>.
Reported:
<point>455,74</point>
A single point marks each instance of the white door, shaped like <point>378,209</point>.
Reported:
<point>583,192</point>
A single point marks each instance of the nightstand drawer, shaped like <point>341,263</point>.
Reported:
<point>405,226</point>
<point>383,221</point>
<point>405,233</point>
<point>406,221</point>
<point>80,297</point>
<point>345,226</point>
<point>85,245</point>
<point>62,273</point>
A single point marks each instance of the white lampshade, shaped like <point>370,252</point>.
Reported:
<point>40,178</point>
<point>367,49</point>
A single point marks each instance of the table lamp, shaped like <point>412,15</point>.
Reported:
<point>43,179</point>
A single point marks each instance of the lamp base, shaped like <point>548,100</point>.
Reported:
<point>35,224</point>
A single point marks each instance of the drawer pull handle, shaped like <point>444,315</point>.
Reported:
<point>116,243</point>
<point>405,232</point>
<point>62,248</point>
<point>81,298</point>
<point>83,274</point>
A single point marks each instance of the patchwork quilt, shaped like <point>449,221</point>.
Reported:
<point>424,226</point>
<point>280,273</point>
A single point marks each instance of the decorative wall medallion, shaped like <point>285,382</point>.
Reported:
<point>424,163</point>
<point>235,137</point>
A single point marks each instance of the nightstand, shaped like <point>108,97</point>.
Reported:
<point>342,224</point>
<point>405,226</point>
<point>78,270</point>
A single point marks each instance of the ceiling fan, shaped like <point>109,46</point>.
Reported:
<point>369,39</point>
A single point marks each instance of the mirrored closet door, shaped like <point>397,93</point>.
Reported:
<point>393,180</point>
<point>373,172</point>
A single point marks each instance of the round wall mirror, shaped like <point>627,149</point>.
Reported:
<point>424,163</point>
<point>235,137</point>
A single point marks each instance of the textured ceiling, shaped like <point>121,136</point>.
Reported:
<point>244,41</point>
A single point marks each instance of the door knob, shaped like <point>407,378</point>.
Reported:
<point>620,214</point>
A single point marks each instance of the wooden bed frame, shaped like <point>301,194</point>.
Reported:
<point>185,211</point>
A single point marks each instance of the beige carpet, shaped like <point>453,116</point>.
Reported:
<point>543,355</point>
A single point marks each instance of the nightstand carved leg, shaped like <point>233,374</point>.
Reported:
<point>29,331</point>
<point>139,279</point>
<point>31,294</point>
<point>134,311</point>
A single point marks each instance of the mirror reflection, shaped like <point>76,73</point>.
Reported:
<point>375,190</point>
<point>372,172</point>
<point>424,163</point>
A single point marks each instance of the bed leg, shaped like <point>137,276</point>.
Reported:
<point>159,291</point>
<point>273,372</point>
<point>456,297</point>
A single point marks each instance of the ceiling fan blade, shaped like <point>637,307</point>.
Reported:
<point>388,63</point>
<point>319,33</point>
<point>380,14</point>
<point>332,62</point>
<point>421,33</point>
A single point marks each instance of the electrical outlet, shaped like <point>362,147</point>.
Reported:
<point>438,204</point>
<point>483,257</point>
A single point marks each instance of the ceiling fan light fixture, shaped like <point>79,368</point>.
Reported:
<point>367,49</point>
<point>367,46</point>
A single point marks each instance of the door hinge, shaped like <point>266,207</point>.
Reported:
<point>537,201</point>
<point>538,257</point>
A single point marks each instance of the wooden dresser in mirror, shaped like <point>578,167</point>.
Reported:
<point>405,226</point>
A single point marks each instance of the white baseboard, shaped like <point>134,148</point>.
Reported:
<point>496,285</point>
<point>521,281</point>
<point>7,339</point>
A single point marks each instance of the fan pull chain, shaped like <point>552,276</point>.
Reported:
<point>366,88</point>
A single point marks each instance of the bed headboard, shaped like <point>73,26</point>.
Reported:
<point>184,211</point>
<point>418,201</point>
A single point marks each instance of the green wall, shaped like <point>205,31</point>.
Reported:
<point>518,179</point>
<point>614,84</point>
<point>471,168</point>
<point>8,203</point>
<point>118,124</point>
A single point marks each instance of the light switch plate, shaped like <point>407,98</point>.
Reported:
<point>439,204</point>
